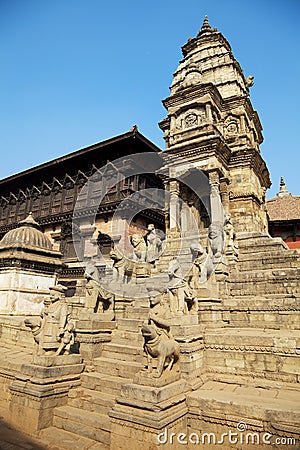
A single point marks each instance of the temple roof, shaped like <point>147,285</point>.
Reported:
<point>284,206</point>
<point>27,236</point>
<point>124,144</point>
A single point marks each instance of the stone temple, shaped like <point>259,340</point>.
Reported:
<point>143,302</point>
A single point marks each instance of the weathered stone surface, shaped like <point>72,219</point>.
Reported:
<point>234,319</point>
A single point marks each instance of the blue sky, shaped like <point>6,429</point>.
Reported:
<point>77,72</point>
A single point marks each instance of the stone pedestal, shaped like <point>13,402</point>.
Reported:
<point>145,410</point>
<point>187,331</point>
<point>91,334</point>
<point>40,387</point>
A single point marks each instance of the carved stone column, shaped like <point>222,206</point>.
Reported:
<point>224,192</point>
<point>174,190</point>
<point>215,200</point>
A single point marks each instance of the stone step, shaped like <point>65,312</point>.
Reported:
<point>122,352</point>
<point>107,384</point>
<point>91,400</point>
<point>268,288</point>
<point>266,354</point>
<point>252,404</point>
<point>134,338</point>
<point>274,262</point>
<point>129,324</point>
<point>140,314</point>
<point>268,273</point>
<point>117,368</point>
<point>58,439</point>
<point>248,241</point>
<point>84,423</point>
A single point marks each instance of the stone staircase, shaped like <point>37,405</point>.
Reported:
<point>265,267</point>
<point>260,333</point>
<point>251,340</point>
<point>84,423</point>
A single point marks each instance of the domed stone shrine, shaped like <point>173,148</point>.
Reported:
<point>28,267</point>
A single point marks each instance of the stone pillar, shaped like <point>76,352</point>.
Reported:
<point>174,205</point>
<point>209,116</point>
<point>224,191</point>
<point>215,200</point>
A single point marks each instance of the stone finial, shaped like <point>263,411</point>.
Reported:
<point>133,129</point>
<point>206,28</point>
<point>283,192</point>
<point>29,221</point>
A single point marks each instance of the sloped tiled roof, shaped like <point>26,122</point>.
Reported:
<point>284,208</point>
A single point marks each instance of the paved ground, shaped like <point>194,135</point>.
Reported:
<point>11,439</point>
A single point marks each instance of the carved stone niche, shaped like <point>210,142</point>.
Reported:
<point>231,129</point>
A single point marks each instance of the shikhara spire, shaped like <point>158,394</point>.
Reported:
<point>283,192</point>
<point>206,28</point>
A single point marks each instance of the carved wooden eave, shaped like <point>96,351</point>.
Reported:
<point>80,178</point>
<point>124,144</point>
<point>45,189</point>
<point>22,196</point>
<point>12,199</point>
<point>68,182</point>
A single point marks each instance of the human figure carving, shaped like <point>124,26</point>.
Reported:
<point>153,244</point>
<point>53,326</point>
<point>141,266</point>
<point>202,266</point>
<point>67,340</point>
<point>229,231</point>
<point>97,298</point>
<point>249,81</point>
<point>178,288</point>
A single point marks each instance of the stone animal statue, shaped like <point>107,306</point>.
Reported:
<point>249,81</point>
<point>159,346</point>
<point>139,247</point>
<point>123,266</point>
<point>216,237</point>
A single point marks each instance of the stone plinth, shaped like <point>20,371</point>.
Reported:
<point>23,292</point>
<point>187,331</point>
<point>40,387</point>
<point>143,412</point>
<point>91,334</point>
<point>247,415</point>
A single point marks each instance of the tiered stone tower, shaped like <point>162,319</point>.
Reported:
<point>212,123</point>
